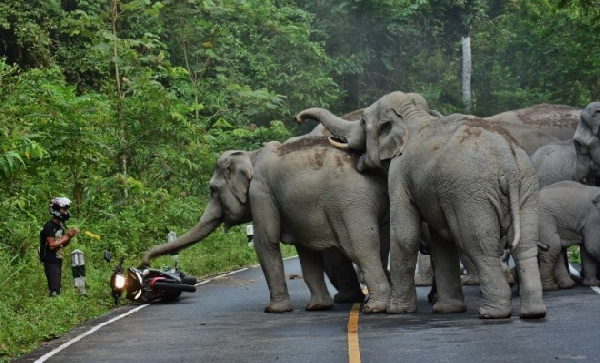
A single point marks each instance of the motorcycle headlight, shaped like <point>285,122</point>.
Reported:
<point>119,282</point>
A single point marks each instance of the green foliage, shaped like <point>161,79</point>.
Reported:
<point>29,316</point>
<point>574,254</point>
<point>125,105</point>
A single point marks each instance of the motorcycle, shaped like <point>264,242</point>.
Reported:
<point>146,285</point>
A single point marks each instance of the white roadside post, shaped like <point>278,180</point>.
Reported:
<point>250,235</point>
<point>78,269</point>
<point>172,236</point>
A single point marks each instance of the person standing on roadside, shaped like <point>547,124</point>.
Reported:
<point>53,237</point>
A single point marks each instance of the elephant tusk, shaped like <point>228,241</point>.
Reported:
<point>338,143</point>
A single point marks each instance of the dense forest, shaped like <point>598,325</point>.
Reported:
<point>124,105</point>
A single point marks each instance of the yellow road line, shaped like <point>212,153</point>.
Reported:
<point>353,348</point>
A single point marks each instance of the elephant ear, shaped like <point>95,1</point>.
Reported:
<point>393,134</point>
<point>239,172</point>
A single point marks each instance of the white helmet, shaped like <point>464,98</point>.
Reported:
<point>56,204</point>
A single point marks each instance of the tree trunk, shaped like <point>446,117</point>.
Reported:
<point>466,73</point>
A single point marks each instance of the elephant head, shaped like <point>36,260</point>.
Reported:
<point>380,134</point>
<point>228,203</point>
<point>587,135</point>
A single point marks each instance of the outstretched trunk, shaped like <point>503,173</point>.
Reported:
<point>347,131</point>
<point>207,224</point>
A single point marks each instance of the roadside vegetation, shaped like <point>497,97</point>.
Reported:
<point>124,106</point>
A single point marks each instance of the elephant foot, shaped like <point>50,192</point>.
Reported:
<point>449,307</point>
<point>553,286</point>
<point>318,306</point>
<point>280,307</point>
<point>566,284</point>
<point>494,312</point>
<point>395,308</point>
<point>373,307</point>
<point>349,297</point>
<point>591,281</point>
<point>533,311</point>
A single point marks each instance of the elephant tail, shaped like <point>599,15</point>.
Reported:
<point>510,184</point>
<point>522,186</point>
<point>515,209</point>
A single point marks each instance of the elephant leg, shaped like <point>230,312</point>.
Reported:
<point>526,260</point>
<point>405,233</point>
<point>472,276</point>
<point>311,263</point>
<point>476,230</point>
<point>589,263</point>
<point>548,259</point>
<point>495,290</point>
<point>561,271</point>
<point>363,247</point>
<point>342,275</point>
<point>267,247</point>
<point>446,268</point>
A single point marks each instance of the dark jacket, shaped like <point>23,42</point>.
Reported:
<point>53,230</point>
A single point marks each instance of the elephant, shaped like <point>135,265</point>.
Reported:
<point>587,135</point>
<point>306,193</point>
<point>560,161</point>
<point>539,125</point>
<point>469,180</point>
<point>569,215</point>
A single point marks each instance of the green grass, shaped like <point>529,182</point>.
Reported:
<point>29,317</point>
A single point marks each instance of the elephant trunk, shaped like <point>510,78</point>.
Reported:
<point>348,131</point>
<point>207,224</point>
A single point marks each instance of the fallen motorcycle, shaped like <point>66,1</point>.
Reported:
<point>146,285</point>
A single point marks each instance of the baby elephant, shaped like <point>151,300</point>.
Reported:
<point>569,215</point>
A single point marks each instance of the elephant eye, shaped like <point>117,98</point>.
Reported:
<point>213,190</point>
<point>385,128</point>
<point>582,150</point>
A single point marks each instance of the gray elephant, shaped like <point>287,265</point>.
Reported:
<point>306,193</point>
<point>469,180</point>
<point>587,135</point>
<point>539,125</point>
<point>560,161</point>
<point>569,215</point>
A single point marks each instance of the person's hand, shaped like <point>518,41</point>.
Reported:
<point>73,232</point>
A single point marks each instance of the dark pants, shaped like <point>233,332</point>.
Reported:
<point>53,275</point>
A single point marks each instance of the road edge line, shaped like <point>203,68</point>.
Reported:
<point>46,356</point>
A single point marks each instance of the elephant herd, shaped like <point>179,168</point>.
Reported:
<point>383,182</point>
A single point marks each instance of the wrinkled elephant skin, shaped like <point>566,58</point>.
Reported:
<point>569,215</point>
<point>539,125</point>
<point>432,163</point>
<point>560,161</point>
<point>306,193</point>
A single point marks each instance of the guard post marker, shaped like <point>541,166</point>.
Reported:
<point>78,269</point>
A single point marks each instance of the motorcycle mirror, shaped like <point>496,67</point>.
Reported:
<point>106,256</point>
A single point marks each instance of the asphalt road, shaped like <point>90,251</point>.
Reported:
<point>224,322</point>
